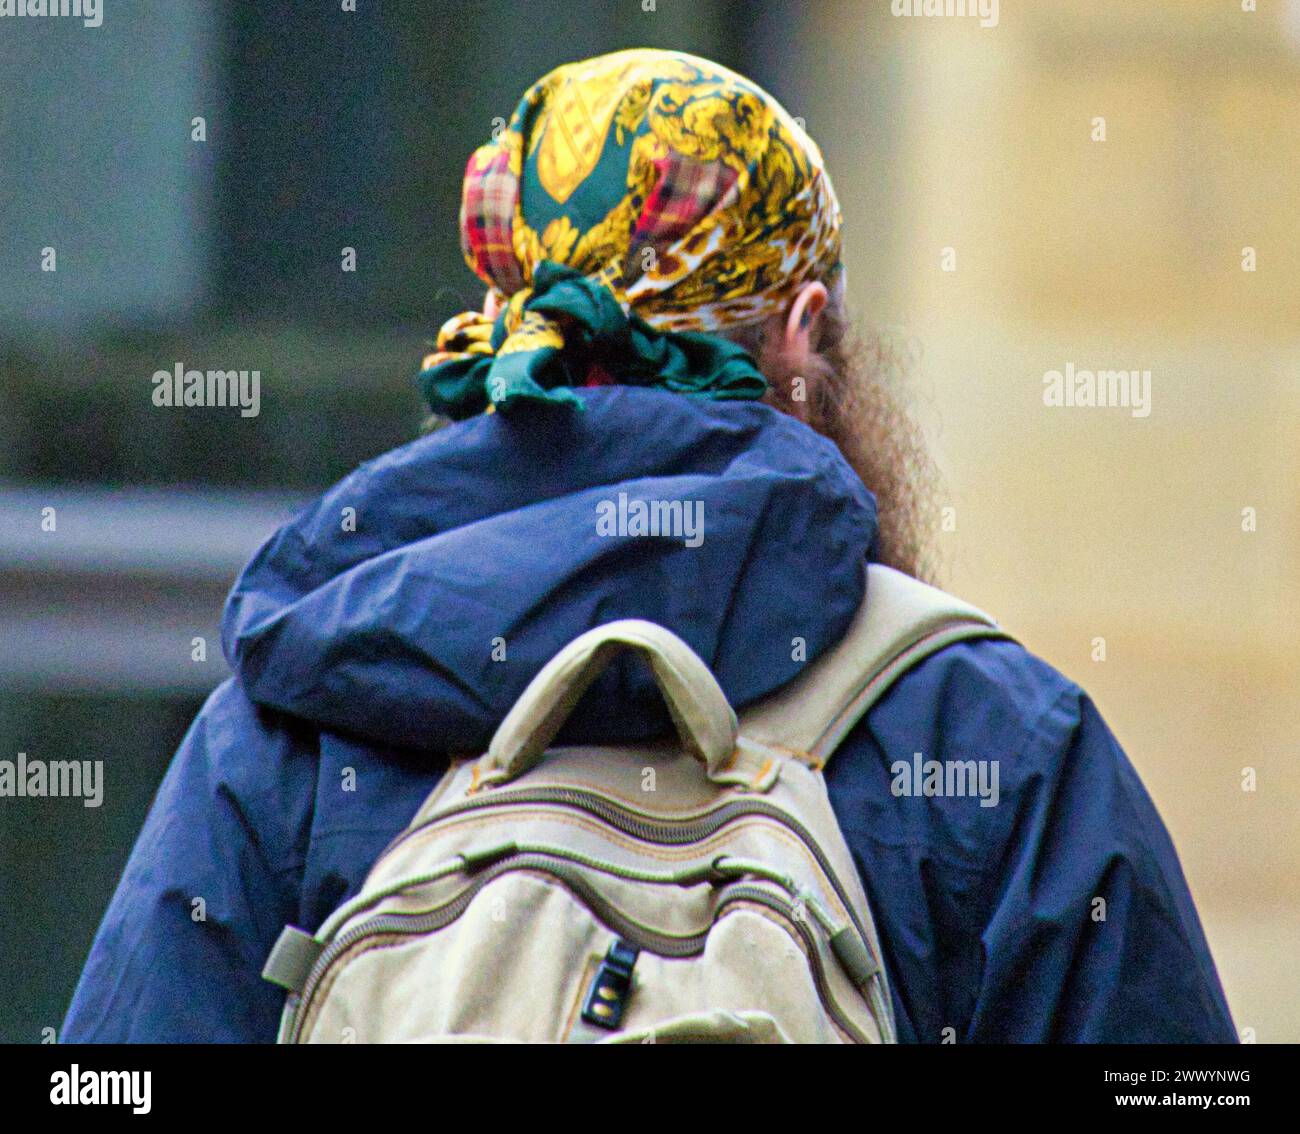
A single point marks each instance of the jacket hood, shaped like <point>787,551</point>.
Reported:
<point>414,601</point>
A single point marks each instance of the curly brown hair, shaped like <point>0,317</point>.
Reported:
<point>857,398</point>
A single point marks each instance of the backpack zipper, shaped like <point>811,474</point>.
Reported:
<point>544,862</point>
<point>666,832</point>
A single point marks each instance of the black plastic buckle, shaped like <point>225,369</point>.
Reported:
<point>607,997</point>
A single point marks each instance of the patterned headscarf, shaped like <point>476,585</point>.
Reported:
<point>634,205</point>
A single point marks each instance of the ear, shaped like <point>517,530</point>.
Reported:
<point>788,346</point>
<point>801,323</point>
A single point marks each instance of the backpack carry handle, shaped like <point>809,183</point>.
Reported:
<point>699,709</point>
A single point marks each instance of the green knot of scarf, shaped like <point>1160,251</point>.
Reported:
<point>569,330</point>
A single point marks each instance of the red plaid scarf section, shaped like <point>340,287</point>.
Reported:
<point>687,191</point>
<point>487,212</point>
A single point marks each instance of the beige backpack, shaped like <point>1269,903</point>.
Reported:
<point>697,890</point>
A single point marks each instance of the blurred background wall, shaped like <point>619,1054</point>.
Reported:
<point>990,229</point>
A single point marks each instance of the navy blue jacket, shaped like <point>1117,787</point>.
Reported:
<point>363,634</point>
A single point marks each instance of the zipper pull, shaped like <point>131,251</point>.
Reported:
<point>475,860</point>
<point>853,957</point>
<point>712,872</point>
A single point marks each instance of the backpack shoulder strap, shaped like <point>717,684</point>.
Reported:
<point>901,622</point>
